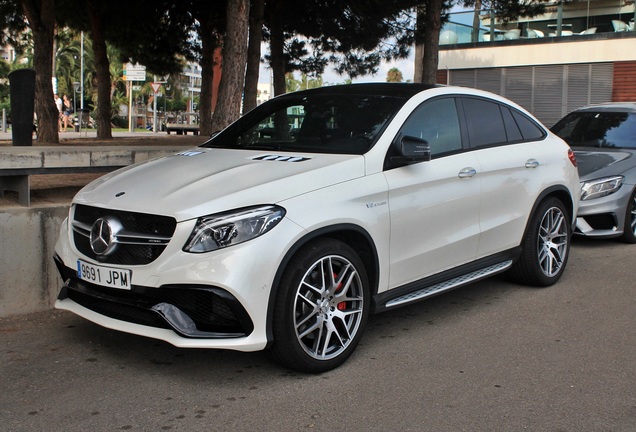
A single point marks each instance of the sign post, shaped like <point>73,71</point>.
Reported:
<point>155,88</point>
<point>132,73</point>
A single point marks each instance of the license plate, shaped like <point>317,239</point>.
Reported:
<point>104,276</point>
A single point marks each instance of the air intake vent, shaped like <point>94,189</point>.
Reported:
<point>189,153</point>
<point>281,158</point>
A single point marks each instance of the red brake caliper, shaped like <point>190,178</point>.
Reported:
<point>342,305</point>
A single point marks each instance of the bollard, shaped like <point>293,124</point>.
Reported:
<point>22,94</point>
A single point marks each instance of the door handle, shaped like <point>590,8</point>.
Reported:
<point>467,172</point>
<point>532,163</point>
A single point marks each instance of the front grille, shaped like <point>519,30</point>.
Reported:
<point>145,227</point>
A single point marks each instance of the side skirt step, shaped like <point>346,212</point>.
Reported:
<point>450,284</point>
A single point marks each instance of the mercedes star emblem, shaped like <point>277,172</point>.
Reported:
<point>104,235</point>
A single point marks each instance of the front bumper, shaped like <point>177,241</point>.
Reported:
<point>213,300</point>
<point>190,311</point>
<point>604,217</point>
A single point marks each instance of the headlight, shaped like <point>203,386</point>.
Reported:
<point>226,229</point>
<point>600,187</point>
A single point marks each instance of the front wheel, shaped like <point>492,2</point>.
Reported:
<point>545,247</point>
<point>629,230</point>
<point>321,307</point>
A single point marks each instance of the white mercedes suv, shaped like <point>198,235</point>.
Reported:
<point>289,227</point>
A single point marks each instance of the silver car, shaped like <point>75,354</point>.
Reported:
<point>603,138</point>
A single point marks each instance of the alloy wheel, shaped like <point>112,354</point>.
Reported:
<point>328,307</point>
<point>552,242</point>
<point>632,220</point>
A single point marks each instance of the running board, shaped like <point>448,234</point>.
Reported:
<point>450,284</point>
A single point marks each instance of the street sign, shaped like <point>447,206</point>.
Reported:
<point>134,72</point>
<point>134,75</point>
<point>155,86</point>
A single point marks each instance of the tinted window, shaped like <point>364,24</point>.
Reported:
<point>512,128</point>
<point>485,122</point>
<point>436,122</point>
<point>529,129</point>
<point>312,123</point>
<point>598,129</point>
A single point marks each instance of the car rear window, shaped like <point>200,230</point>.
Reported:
<point>598,129</point>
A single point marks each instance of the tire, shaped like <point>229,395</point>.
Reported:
<point>629,230</point>
<point>545,247</point>
<point>321,307</point>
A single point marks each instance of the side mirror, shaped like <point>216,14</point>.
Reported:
<point>411,150</point>
<point>415,148</point>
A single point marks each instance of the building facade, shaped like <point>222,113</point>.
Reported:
<point>575,54</point>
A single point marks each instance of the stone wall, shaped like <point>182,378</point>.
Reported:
<point>29,281</point>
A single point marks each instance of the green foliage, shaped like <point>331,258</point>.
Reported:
<point>394,75</point>
<point>120,122</point>
<point>305,82</point>
<point>354,36</point>
<point>5,102</point>
<point>156,34</point>
<point>13,25</point>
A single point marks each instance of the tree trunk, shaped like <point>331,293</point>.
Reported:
<point>418,69</point>
<point>276,46</point>
<point>253,55</point>
<point>42,22</point>
<point>432,26</point>
<point>474,36</point>
<point>208,45</point>
<point>102,70</point>
<point>228,106</point>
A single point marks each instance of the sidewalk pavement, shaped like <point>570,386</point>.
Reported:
<point>89,138</point>
<point>90,133</point>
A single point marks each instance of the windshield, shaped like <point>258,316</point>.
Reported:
<point>316,123</point>
<point>598,129</point>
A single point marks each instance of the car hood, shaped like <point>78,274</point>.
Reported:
<point>595,163</point>
<point>204,181</point>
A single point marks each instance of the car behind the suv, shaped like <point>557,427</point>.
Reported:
<point>317,208</point>
<point>603,138</point>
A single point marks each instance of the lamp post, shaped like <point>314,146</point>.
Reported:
<point>76,87</point>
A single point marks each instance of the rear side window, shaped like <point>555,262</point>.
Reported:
<point>529,129</point>
<point>512,128</point>
<point>485,122</point>
<point>490,123</point>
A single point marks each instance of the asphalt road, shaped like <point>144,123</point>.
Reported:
<point>490,357</point>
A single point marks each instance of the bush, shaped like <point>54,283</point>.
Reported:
<point>120,122</point>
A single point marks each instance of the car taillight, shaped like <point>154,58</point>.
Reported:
<point>572,157</point>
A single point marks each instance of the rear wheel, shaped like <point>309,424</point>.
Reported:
<point>545,247</point>
<point>629,231</point>
<point>321,307</point>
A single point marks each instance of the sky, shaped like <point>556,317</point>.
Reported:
<point>406,66</point>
